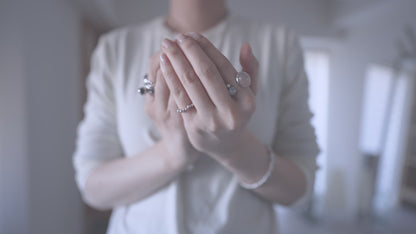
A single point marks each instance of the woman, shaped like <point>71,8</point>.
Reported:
<point>207,149</point>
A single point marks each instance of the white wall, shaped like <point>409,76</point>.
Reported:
<point>13,158</point>
<point>314,20</point>
<point>369,41</point>
<point>307,17</point>
<point>40,86</point>
<point>346,11</point>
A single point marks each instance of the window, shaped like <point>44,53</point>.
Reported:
<point>317,69</point>
<point>384,126</point>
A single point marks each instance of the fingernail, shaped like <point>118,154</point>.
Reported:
<point>194,35</point>
<point>166,43</point>
<point>163,58</point>
<point>249,49</point>
<point>180,38</point>
<point>162,64</point>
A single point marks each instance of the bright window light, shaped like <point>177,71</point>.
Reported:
<point>317,69</point>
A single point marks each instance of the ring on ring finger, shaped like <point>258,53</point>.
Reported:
<point>185,109</point>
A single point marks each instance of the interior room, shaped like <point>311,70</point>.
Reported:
<point>360,61</point>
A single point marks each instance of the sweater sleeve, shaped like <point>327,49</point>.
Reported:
<point>295,136</point>
<point>97,138</point>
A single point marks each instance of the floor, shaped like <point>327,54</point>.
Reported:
<point>400,221</point>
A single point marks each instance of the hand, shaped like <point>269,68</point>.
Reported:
<point>159,107</point>
<point>196,72</point>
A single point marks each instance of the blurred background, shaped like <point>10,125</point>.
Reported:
<point>361,60</point>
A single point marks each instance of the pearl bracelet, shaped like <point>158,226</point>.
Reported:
<point>265,177</point>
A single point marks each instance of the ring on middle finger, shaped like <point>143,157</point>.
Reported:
<point>231,89</point>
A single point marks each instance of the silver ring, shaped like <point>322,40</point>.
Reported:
<point>149,86</point>
<point>143,90</point>
<point>243,79</point>
<point>182,110</point>
<point>231,89</point>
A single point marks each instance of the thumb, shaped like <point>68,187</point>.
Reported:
<point>249,64</point>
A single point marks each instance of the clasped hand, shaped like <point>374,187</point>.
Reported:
<point>191,70</point>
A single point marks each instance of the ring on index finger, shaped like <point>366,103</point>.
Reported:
<point>231,89</point>
<point>149,86</point>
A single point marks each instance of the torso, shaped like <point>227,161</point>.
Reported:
<point>207,199</point>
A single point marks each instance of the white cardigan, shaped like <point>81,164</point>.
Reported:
<point>207,199</point>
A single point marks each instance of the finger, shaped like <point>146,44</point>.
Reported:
<point>153,67</point>
<point>172,103</point>
<point>224,66</point>
<point>173,83</point>
<point>186,75</point>
<point>206,70</point>
<point>250,65</point>
<point>162,92</point>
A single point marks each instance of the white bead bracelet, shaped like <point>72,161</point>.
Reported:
<point>265,177</point>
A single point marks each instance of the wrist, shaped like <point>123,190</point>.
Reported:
<point>180,154</point>
<point>249,159</point>
<point>233,147</point>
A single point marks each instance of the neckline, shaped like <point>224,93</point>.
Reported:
<point>214,30</point>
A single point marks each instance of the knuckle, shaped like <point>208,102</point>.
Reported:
<point>203,42</point>
<point>166,117</point>
<point>188,44</point>
<point>174,51</point>
<point>193,127</point>
<point>234,120</point>
<point>196,128</point>
<point>168,73</point>
<point>224,65</point>
<point>189,76</point>
<point>176,89</point>
<point>213,125</point>
<point>249,104</point>
<point>209,71</point>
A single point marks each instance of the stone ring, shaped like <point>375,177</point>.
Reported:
<point>243,79</point>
